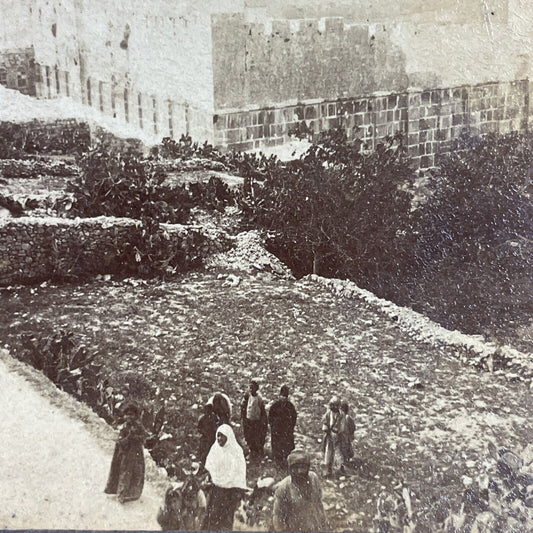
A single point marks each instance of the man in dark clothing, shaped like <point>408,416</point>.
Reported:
<point>298,498</point>
<point>254,420</point>
<point>207,426</point>
<point>282,419</point>
<point>349,432</point>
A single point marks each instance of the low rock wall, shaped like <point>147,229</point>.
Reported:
<point>35,249</point>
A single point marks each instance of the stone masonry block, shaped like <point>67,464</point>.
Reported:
<point>435,96</point>
<point>381,117</point>
<point>361,106</point>
<point>392,101</point>
<point>311,112</point>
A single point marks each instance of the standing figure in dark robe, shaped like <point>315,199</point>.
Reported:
<point>349,432</point>
<point>254,420</point>
<point>227,469</point>
<point>282,419</point>
<point>298,498</point>
<point>126,475</point>
<point>207,426</point>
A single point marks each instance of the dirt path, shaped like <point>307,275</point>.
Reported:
<point>54,467</point>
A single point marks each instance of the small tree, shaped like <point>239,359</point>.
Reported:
<point>338,211</point>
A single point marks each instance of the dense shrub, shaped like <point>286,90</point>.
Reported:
<point>247,165</point>
<point>338,211</point>
<point>215,195</point>
<point>13,206</point>
<point>184,148</point>
<point>149,254</point>
<point>70,365</point>
<point>72,368</point>
<point>126,185</point>
<point>18,141</point>
<point>478,199</point>
<point>474,250</point>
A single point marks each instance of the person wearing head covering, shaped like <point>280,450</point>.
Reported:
<point>126,475</point>
<point>227,469</point>
<point>282,419</point>
<point>333,426</point>
<point>221,406</point>
<point>254,420</point>
<point>349,432</point>
<point>298,498</point>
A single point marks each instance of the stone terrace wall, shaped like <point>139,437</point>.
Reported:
<point>430,120</point>
<point>33,249</point>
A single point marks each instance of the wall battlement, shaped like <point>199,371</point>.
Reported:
<point>262,63</point>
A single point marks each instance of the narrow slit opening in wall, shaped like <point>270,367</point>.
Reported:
<point>154,106</point>
<point>67,83</point>
<point>48,84</point>
<point>140,109</point>
<point>126,105</point>
<point>113,100</point>
<point>58,86</point>
<point>101,95</point>
<point>170,120</point>
<point>89,95</point>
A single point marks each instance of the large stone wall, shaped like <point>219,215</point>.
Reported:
<point>264,63</point>
<point>33,249</point>
<point>173,66</point>
<point>264,56</point>
<point>429,119</point>
<point>148,64</point>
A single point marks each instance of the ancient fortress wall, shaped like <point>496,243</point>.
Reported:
<point>278,61</point>
<point>429,119</point>
<point>261,60</point>
<point>146,63</point>
<point>241,73</point>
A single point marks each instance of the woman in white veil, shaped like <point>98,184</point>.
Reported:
<point>227,468</point>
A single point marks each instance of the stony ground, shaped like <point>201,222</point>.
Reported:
<point>424,419</point>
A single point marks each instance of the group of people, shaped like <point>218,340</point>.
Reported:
<point>255,421</point>
<point>298,497</point>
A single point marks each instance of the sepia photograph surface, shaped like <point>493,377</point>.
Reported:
<point>266,265</point>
